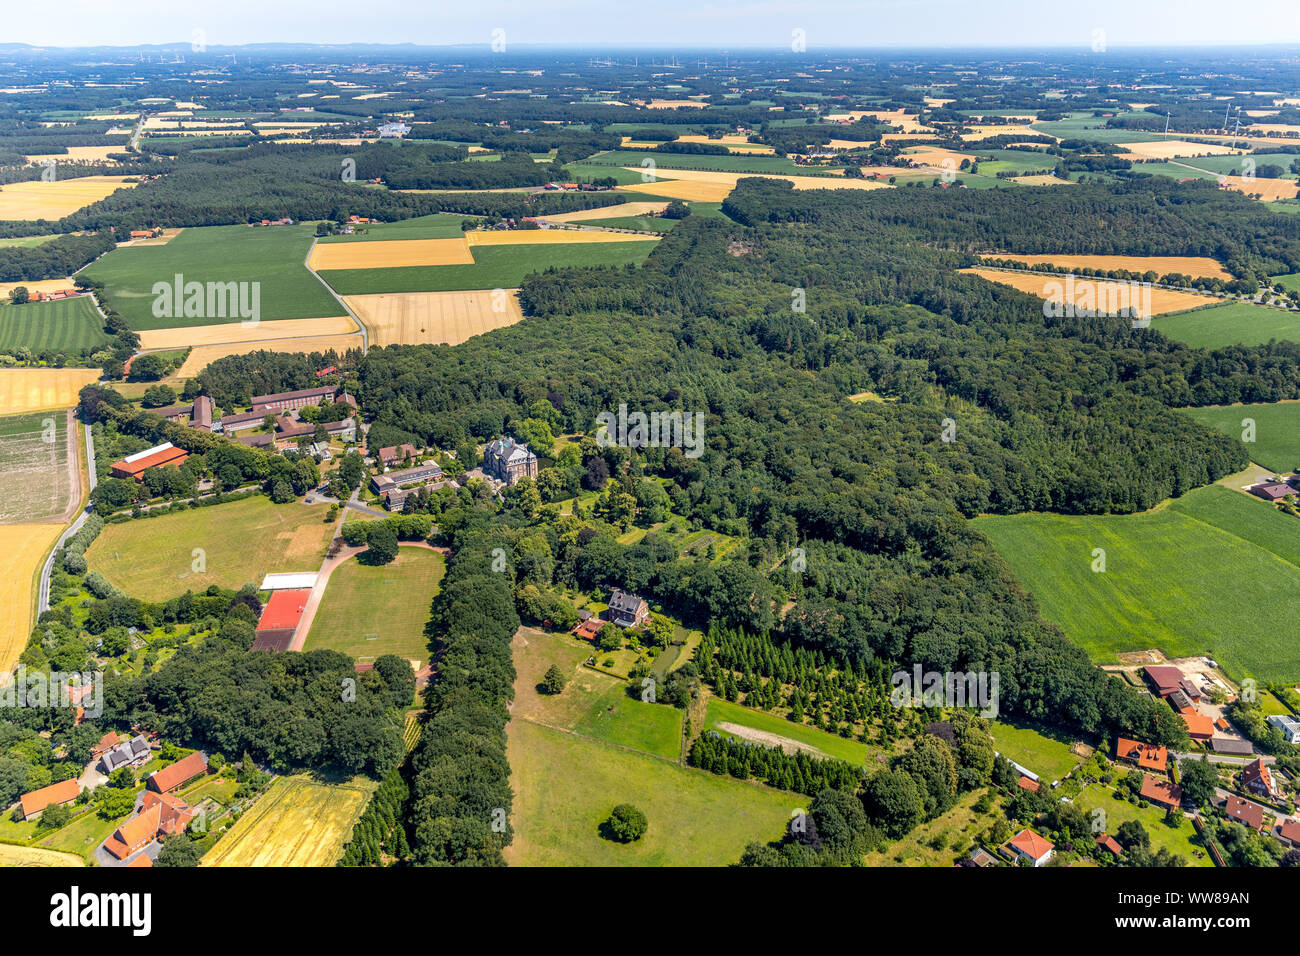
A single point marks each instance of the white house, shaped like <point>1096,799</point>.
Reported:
<point>1030,846</point>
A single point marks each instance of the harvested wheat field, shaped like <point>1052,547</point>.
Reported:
<point>674,104</point>
<point>22,551</point>
<point>1042,179</point>
<point>390,253</point>
<point>434,318</point>
<point>203,356</point>
<point>627,142</point>
<point>36,856</point>
<point>610,212</point>
<point>1170,148</point>
<point>1265,189</point>
<point>935,156</point>
<point>229,333</point>
<point>36,389</point>
<point>716,186</point>
<point>533,237</point>
<point>978,132</point>
<point>40,285</point>
<point>36,199</point>
<point>906,122</point>
<point>685,190</point>
<point>887,138</point>
<point>1089,294</point>
<point>1200,267</point>
<point>735,142</point>
<point>78,154</point>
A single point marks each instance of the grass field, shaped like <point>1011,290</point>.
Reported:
<point>1196,266</point>
<point>37,389</point>
<point>36,199</point>
<point>1042,750</point>
<point>241,541</point>
<point>203,356</point>
<point>69,324</point>
<point>391,254</point>
<point>565,787</point>
<point>495,267</point>
<point>1277,430</point>
<point>22,550</point>
<point>298,822</point>
<point>1214,572</point>
<point>1178,840</point>
<point>234,332</point>
<point>440,225</point>
<point>360,616</point>
<point>1094,293</point>
<point>34,856</point>
<point>272,256</point>
<point>34,468</point>
<point>1233,323</point>
<point>746,723</point>
<point>418,318</point>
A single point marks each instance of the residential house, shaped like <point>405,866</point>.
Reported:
<point>627,610</point>
<point>1108,842</point>
<point>1161,792</point>
<point>1288,831</point>
<point>182,771</point>
<point>1256,778</point>
<point>1271,490</point>
<point>1244,811</point>
<point>507,460</point>
<point>161,814</point>
<point>56,794</point>
<point>1028,845</point>
<point>129,753</point>
<point>1146,756</point>
<point>1289,726</point>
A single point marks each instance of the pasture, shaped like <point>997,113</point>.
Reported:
<point>37,389</point>
<point>1043,750</point>
<point>271,256</point>
<point>297,822</point>
<point>1234,323</point>
<point>203,356</point>
<point>420,318</point>
<point>440,225</point>
<point>36,199</point>
<point>390,253</point>
<point>1277,430</point>
<point>1214,572</point>
<point>1195,266</point>
<point>155,558</point>
<point>1089,294</point>
<point>65,325</point>
<point>359,616</point>
<point>746,723</point>
<point>38,463</point>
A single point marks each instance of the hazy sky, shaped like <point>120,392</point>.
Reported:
<point>668,23</point>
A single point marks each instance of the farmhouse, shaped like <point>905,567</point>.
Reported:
<point>169,778</point>
<point>279,620</point>
<point>1146,756</point>
<point>161,814</point>
<point>1272,490</point>
<point>1165,680</point>
<point>1289,726</point>
<point>1161,792</point>
<point>1243,811</point>
<point>1028,845</point>
<point>1199,727</point>
<point>1256,778</point>
<point>134,466</point>
<point>395,454</point>
<point>56,794</point>
<point>285,401</point>
<point>507,460</point>
<point>627,610</point>
<point>129,753</point>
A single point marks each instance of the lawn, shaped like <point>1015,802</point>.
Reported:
<point>361,616</point>
<point>495,267</point>
<point>772,731</point>
<point>239,542</point>
<point>1185,578</point>
<point>440,225</point>
<point>298,822</point>
<point>65,325</point>
<point>271,255</point>
<point>565,787</point>
<point>82,836</point>
<point>1234,323</point>
<point>1043,750</point>
<point>1179,840</point>
<point>1277,430</point>
<point>34,467</point>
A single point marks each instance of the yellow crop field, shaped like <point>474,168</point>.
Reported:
<point>36,856</point>
<point>36,199</point>
<point>230,333</point>
<point>389,253</point>
<point>906,122</point>
<point>203,356</point>
<point>975,133</point>
<point>735,142</point>
<point>1265,189</point>
<point>701,185</point>
<point>684,190</point>
<point>532,237</point>
<point>610,212</point>
<point>674,104</point>
<point>1042,179</point>
<point>40,285</point>
<point>22,551</point>
<point>299,822</point>
<point>934,156</point>
<point>1170,148</point>
<point>36,389</point>
<point>887,138</point>
<point>1284,130</point>
<point>434,318</point>
<point>1196,266</point>
<point>1094,293</point>
<point>78,154</point>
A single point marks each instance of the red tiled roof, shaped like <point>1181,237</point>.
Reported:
<point>1031,844</point>
<point>169,778</point>
<point>141,860</point>
<point>63,792</point>
<point>1108,842</point>
<point>1290,829</point>
<point>1256,771</point>
<point>1147,756</point>
<point>168,456</point>
<point>1251,814</point>
<point>1159,791</point>
<point>1198,725</point>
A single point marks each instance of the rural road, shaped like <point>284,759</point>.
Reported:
<point>43,599</point>
<point>361,326</point>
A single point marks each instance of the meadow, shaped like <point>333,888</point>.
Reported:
<point>154,558</point>
<point>725,718</point>
<point>941,841</point>
<point>440,225</point>
<point>1181,840</point>
<point>270,255</point>
<point>1042,750</point>
<point>1233,323</point>
<point>1210,573</point>
<point>358,617</point>
<point>65,325</point>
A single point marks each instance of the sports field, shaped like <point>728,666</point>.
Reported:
<point>36,199</point>
<point>203,356</point>
<point>390,253</point>
<point>495,267</point>
<point>362,615</point>
<point>68,324</point>
<point>1233,323</point>
<point>298,822</point>
<point>1195,266</point>
<point>154,558</point>
<point>22,551</point>
<point>1215,572</point>
<point>1095,293</point>
<point>36,467</point>
<point>235,332</point>
<point>1277,430</point>
<point>36,389</point>
<point>419,318</point>
<point>271,256</point>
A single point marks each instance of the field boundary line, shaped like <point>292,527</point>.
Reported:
<point>361,326</point>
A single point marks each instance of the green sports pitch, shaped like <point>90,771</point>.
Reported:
<point>62,326</point>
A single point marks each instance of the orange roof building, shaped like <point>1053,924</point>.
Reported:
<point>1146,756</point>
<point>37,801</point>
<point>1108,842</point>
<point>1162,792</point>
<point>1031,846</point>
<point>1024,783</point>
<point>169,778</point>
<point>161,814</point>
<point>1256,778</point>
<point>1199,726</point>
<point>134,466</point>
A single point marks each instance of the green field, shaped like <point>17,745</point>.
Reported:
<point>360,616</point>
<point>239,542</point>
<point>495,267</point>
<point>565,787</point>
<point>823,744</point>
<point>1042,750</point>
<point>1291,281</point>
<point>1277,430</point>
<point>270,255</point>
<point>1235,323</point>
<point>69,324</point>
<point>1178,840</point>
<point>1186,578</point>
<point>441,225</point>
<point>34,467</point>
<point>27,240</point>
<point>639,223</point>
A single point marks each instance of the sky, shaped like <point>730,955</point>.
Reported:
<point>718,24</point>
